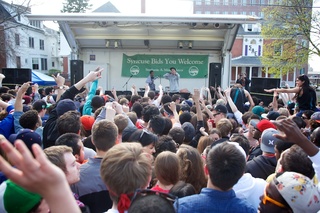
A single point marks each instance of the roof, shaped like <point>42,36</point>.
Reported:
<point>106,8</point>
<point>201,32</point>
<point>246,61</point>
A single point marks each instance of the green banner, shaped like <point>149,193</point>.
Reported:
<point>188,66</point>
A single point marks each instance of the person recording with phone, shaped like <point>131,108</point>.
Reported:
<point>173,78</point>
<point>150,81</point>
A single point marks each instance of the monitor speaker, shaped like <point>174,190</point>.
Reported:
<point>215,74</point>
<point>76,71</point>
<point>15,76</point>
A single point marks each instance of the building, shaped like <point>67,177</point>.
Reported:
<point>25,43</point>
<point>248,45</point>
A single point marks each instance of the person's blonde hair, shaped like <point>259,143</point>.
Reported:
<point>225,126</point>
<point>55,154</point>
<point>125,168</point>
<point>167,168</point>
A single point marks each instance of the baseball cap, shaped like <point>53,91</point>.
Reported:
<point>316,117</point>
<point>65,105</point>
<point>299,192</point>
<point>28,136</point>
<point>87,121</point>
<point>273,115</point>
<point>265,124</point>
<point>39,105</point>
<point>268,140</point>
<point>258,110</point>
<point>221,108</point>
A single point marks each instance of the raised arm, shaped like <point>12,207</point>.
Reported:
<point>248,96</point>
<point>292,90</point>
<point>38,175</point>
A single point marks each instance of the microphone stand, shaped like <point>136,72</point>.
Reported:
<point>205,80</point>
<point>126,84</point>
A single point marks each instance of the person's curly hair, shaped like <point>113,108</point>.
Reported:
<point>29,119</point>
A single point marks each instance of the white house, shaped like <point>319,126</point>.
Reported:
<point>27,44</point>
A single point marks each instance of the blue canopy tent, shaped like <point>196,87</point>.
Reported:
<point>42,79</point>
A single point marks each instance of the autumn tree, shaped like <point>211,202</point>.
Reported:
<point>288,29</point>
<point>76,6</point>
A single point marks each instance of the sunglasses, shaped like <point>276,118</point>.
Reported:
<point>269,199</point>
<point>214,115</point>
<point>145,192</point>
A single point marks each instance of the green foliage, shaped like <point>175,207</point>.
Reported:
<point>287,32</point>
<point>76,6</point>
<point>53,72</point>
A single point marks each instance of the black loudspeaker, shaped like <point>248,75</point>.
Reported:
<point>215,74</point>
<point>15,76</point>
<point>259,84</point>
<point>76,71</point>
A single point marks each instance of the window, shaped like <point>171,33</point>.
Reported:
<point>262,2</point>
<point>41,44</point>
<point>19,17</point>
<point>244,2</point>
<point>234,12</point>
<point>261,14</point>
<point>302,71</point>
<point>207,12</point>
<point>44,64</point>
<point>198,2</point>
<point>216,2</point>
<point>198,12</point>
<point>207,2</point>
<point>52,64</point>
<point>277,50</point>
<point>31,42</point>
<point>216,12</point>
<point>252,2</point>
<point>17,39</point>
<point>35,23</point>
<point>18,61</point>
<point>244,13</point>
<point>234,2</point>
<point>226,2</point>
<point>35,63</point>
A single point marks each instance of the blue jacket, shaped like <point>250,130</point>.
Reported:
<point>210,200</point>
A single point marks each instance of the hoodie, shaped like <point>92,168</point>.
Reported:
<point>261,166</point>
<point>250,189</point>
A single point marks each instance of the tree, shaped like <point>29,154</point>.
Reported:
<point>76,6</point>
<point>288,30</point>
<point>11,18</point>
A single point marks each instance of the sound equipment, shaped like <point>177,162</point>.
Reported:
<point>258,85</point>
<point>15,76</point>
<point>215,74</point>
<point>76,71</point>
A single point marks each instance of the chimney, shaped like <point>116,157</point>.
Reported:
<point>143,6</point>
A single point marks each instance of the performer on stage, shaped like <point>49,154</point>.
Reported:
<point>150,81</point>
<point>173,78</point>
<point>306,96</point>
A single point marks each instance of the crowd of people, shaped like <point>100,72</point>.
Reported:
<point>75,149</point>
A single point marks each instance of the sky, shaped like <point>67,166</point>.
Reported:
<point>155,7</point>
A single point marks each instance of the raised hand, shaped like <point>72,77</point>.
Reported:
<point>60,80</point>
